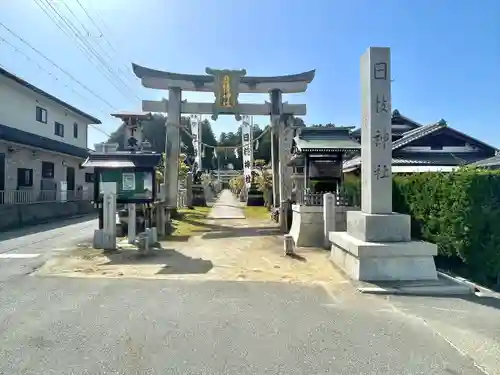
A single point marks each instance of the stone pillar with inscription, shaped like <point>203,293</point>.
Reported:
<point>377,245</point>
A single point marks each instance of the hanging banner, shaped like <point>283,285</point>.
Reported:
<point>196,132</point>
<point>247,151</point>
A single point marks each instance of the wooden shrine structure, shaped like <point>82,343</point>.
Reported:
<point>318,153</point>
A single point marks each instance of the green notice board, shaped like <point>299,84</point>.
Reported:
<point>129,184</point>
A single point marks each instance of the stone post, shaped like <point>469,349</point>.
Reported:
<point>109,208</point>
<point>328,217</point>
<point>160,219</point>
<point>376,139</point>
<point>131,222</point>
<point>172,145</point>
<point>189,190</point>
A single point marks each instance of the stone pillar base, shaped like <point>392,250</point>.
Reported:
<point>379,248</point>
<point>103,240</point>
<point>379,227</point>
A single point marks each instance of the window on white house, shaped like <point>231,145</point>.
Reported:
<point>47,169</point>
<point>89,177</point>
<point>75,130</point>
<point>24,177</point>
<point>59,129</point>
<point>41,114</point>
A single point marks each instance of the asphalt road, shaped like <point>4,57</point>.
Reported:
<point>23,250</point>
<point>82,326</point>
<point>470,324</point>
<point>51,325</point>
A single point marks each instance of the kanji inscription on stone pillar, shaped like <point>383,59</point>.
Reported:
<point>376,142</point>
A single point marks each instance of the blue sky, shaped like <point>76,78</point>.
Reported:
<point>445,53</point>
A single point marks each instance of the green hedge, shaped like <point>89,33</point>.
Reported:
<point>460,212</point>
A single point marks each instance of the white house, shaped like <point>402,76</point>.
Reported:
<point>43,141</point>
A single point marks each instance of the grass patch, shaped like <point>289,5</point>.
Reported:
<point>190,223</point>
<point>257,212</point>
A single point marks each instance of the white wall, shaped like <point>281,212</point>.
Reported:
<point>18,110</point>
<point>17,156</point>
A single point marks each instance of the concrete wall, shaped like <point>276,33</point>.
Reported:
<point>14,216</point>
<point>24,157</point>
<point>18,110</point>
<point>308,224</point>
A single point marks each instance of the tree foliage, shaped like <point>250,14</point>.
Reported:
<point>183,168</point>
<point>154,132</point>
<point>264,182</point>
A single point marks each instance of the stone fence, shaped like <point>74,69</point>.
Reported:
<point>316,199</point>
<point>308,220</point>
<point>14,216</point>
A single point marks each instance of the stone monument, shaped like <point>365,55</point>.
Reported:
<point>377,245</point>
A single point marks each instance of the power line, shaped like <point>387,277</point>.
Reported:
<point>58,67</point>
<point>85,47</point>
<point>95,126</point>
<point>78,45</point>
<point>101,33</point>
<point>98,45</point>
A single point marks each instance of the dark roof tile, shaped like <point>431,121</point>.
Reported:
<point>14,135</point>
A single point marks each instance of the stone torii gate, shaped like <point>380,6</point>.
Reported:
<point>227,85</point>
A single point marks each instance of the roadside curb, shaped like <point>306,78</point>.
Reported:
<point>476,287</point>
<point>454,290</point>
<point>445,285</point>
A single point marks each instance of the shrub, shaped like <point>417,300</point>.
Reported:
<point>236,184</point>
<point>264,182</point>
<point>459,211</point>
<point>351,190</point>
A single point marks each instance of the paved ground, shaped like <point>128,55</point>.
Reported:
<point>471,324</point>
<point>103,326</point>
<point>226,207</point>
<point>234,248</point>
<point>23,250</point>
<point>58,325</point>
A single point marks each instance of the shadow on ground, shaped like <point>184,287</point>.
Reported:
<point>298,257</point>
<point>218,231</point>
<point>229,205</point>
<point>483,300</point>
<point>231,232</point>
<point>173,261</point>
<point>54,224</point>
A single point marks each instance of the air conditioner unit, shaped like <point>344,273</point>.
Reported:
<point>111,147</point>
<point>106,147</point>
<point>99,147</point>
